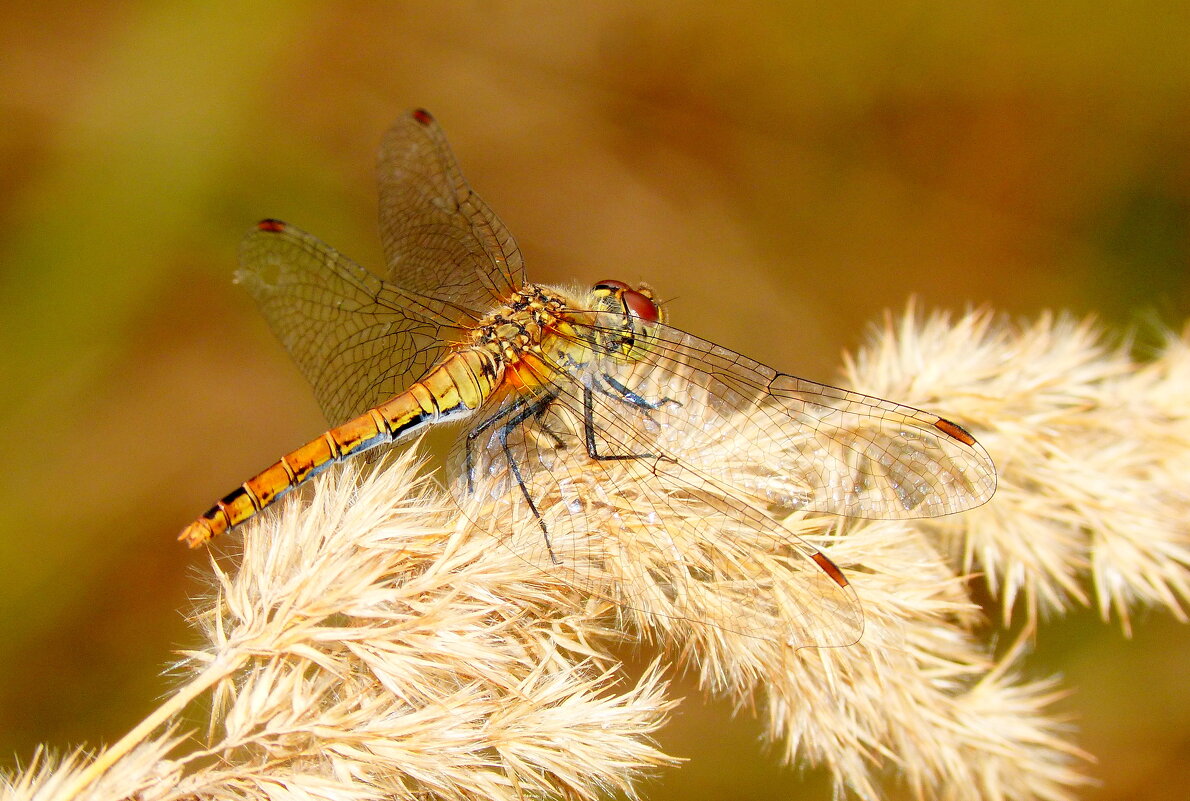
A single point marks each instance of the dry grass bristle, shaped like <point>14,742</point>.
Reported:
<point>374,641</point>
<point>1091,449</point>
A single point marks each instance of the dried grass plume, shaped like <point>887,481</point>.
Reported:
<point>371,644</point>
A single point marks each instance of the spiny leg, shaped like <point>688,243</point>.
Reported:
<point>625,395</point>
<point>621,391</point>
<point>473,434</point>
<point>542,406</point>
<point>527,410</point>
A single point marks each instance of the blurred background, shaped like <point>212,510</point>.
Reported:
<point>783,172</point>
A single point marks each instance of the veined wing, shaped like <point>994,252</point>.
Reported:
<point>575,480</point>
<point>658,484</point>
<point>440,239</point>
<point>798,444</point>
<point>651,535</point>
<point>357,340</point>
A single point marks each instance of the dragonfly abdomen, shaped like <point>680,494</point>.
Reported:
<point>455,388</point>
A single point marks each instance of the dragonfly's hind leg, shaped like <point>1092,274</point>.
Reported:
<point>540,407</point>
<point>475,433</point>
<point>534,410</point>
<point>512,416</point>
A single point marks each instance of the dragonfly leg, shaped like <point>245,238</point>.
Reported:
<point>475,433</point>
<point>541,406</point>
<point>535,410</point>
<point>621,393</point>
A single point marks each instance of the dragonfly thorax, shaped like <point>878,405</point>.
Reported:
<point>521,325</point>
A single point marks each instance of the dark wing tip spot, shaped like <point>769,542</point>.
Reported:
<point>954,431</point>
<point>831,569</point>
<point>423,116</point>
<point>271,226</point>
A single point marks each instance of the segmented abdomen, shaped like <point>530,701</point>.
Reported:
<point>455,388</point>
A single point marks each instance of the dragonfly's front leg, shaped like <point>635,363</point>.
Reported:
<point>621,392</point>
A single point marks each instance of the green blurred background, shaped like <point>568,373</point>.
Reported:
<point>783,172</point>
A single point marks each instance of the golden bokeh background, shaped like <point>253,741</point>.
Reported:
<point>783,171</point>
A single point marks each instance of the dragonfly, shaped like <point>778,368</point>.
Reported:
<point>584,414</point>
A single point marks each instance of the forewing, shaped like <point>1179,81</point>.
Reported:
<point>355,339</point>
<point>797,444</point>
<point>440,239</point>
<point>667,544</point>
<point>658,483</point>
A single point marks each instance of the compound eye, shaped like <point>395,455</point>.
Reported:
<point>641,305</point>
<point>611,285</point>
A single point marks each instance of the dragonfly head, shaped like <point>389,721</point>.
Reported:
<point>627,318</point>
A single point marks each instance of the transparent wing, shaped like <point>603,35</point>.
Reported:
<point>357,340</point>
<point>658,484</point>
<point>795,443</point>
<point>670,548</point>
<point>440,239</point>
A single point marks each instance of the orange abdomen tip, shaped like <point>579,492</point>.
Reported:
<point>195,534</point>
